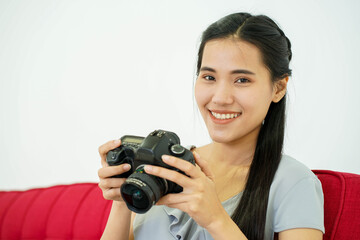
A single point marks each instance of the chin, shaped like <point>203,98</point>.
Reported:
<point>221,138</point>
<point>231,137</point>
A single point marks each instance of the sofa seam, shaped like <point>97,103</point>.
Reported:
<point>341,203</point>
<point>77,212</point>
<point>7,210</point>
<point>27,212</point>
<point>51,209</point>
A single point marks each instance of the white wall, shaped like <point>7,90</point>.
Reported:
<point>74,74</point>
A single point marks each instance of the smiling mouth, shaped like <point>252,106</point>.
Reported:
<point>224,116</point>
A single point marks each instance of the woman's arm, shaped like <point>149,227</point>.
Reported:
<point>226,229</point>
<point>119,224</point>
<point>301,233</point>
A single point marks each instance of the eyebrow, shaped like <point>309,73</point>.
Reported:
<point>244,71</point>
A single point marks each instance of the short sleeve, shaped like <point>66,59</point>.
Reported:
<point>301,207</point>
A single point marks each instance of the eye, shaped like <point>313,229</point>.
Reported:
<point>242,80</point>
<point>210,78</point>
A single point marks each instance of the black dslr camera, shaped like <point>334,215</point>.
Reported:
<point>141,191</point>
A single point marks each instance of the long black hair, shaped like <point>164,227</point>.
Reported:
<point>275,48</point>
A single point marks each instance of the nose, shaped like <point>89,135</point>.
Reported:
<point>223,94</point>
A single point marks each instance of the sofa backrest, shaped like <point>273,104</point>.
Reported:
<point>75,211</point>
<point>341,203</point>
<point>78,211</point>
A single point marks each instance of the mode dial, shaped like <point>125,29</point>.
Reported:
<point>177,149</point>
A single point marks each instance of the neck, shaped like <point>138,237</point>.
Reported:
<point>230,163</point>
<point>238,153</point>
<point>231,156</point>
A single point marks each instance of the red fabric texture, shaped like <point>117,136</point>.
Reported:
<point>75,211</point>
<point>341,203</point>
<point>78,211</point>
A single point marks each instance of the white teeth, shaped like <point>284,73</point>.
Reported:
<point>225,116</point>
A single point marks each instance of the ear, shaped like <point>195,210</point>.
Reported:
<point>280,89</point>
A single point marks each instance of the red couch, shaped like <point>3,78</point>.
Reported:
<point>78,211</point>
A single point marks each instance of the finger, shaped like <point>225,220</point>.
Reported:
<point>174,198</point>
<point>204,166</point>
<point>112,194</point>
<point>105,148</point>
<point>183,165</point>
<point>181,206</point>
<point>111,183</point>
<point>110,171</point>
<point>188,203</point>
<point>168,174</point>
<point>178,200</point>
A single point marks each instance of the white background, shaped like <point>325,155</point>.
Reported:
<point>75,74</point>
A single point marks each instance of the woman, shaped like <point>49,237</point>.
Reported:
<point>242,186</point>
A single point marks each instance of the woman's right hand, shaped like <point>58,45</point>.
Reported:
<point>111,186</point>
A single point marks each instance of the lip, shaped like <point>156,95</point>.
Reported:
<point>223,111</point>
<point>222,121</point>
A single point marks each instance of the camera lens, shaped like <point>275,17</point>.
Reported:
<point>138,195</point>
<point>141,191</point>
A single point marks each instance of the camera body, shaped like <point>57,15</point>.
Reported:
<point>141,190</point>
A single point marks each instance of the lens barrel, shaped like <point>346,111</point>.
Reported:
<point>141,190</point>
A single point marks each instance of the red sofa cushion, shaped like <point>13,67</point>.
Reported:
<point>76,211</point>
<point>341,203</point>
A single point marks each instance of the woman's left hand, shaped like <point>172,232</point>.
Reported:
<point>198,198</point>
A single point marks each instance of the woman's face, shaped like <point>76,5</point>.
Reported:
<point>233,90</point>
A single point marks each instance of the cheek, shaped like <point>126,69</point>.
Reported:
<point>255,101</point>
<point>200,95</point>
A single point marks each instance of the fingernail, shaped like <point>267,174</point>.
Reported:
<point>116,142</point>
<point>165,158</point>
<point>148,168</point>
<point>126,167</point>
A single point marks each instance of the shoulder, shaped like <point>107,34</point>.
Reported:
<point>296,197</point>
<point>290,163</point>
<point>292,170</point>
<point>293,177</point>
